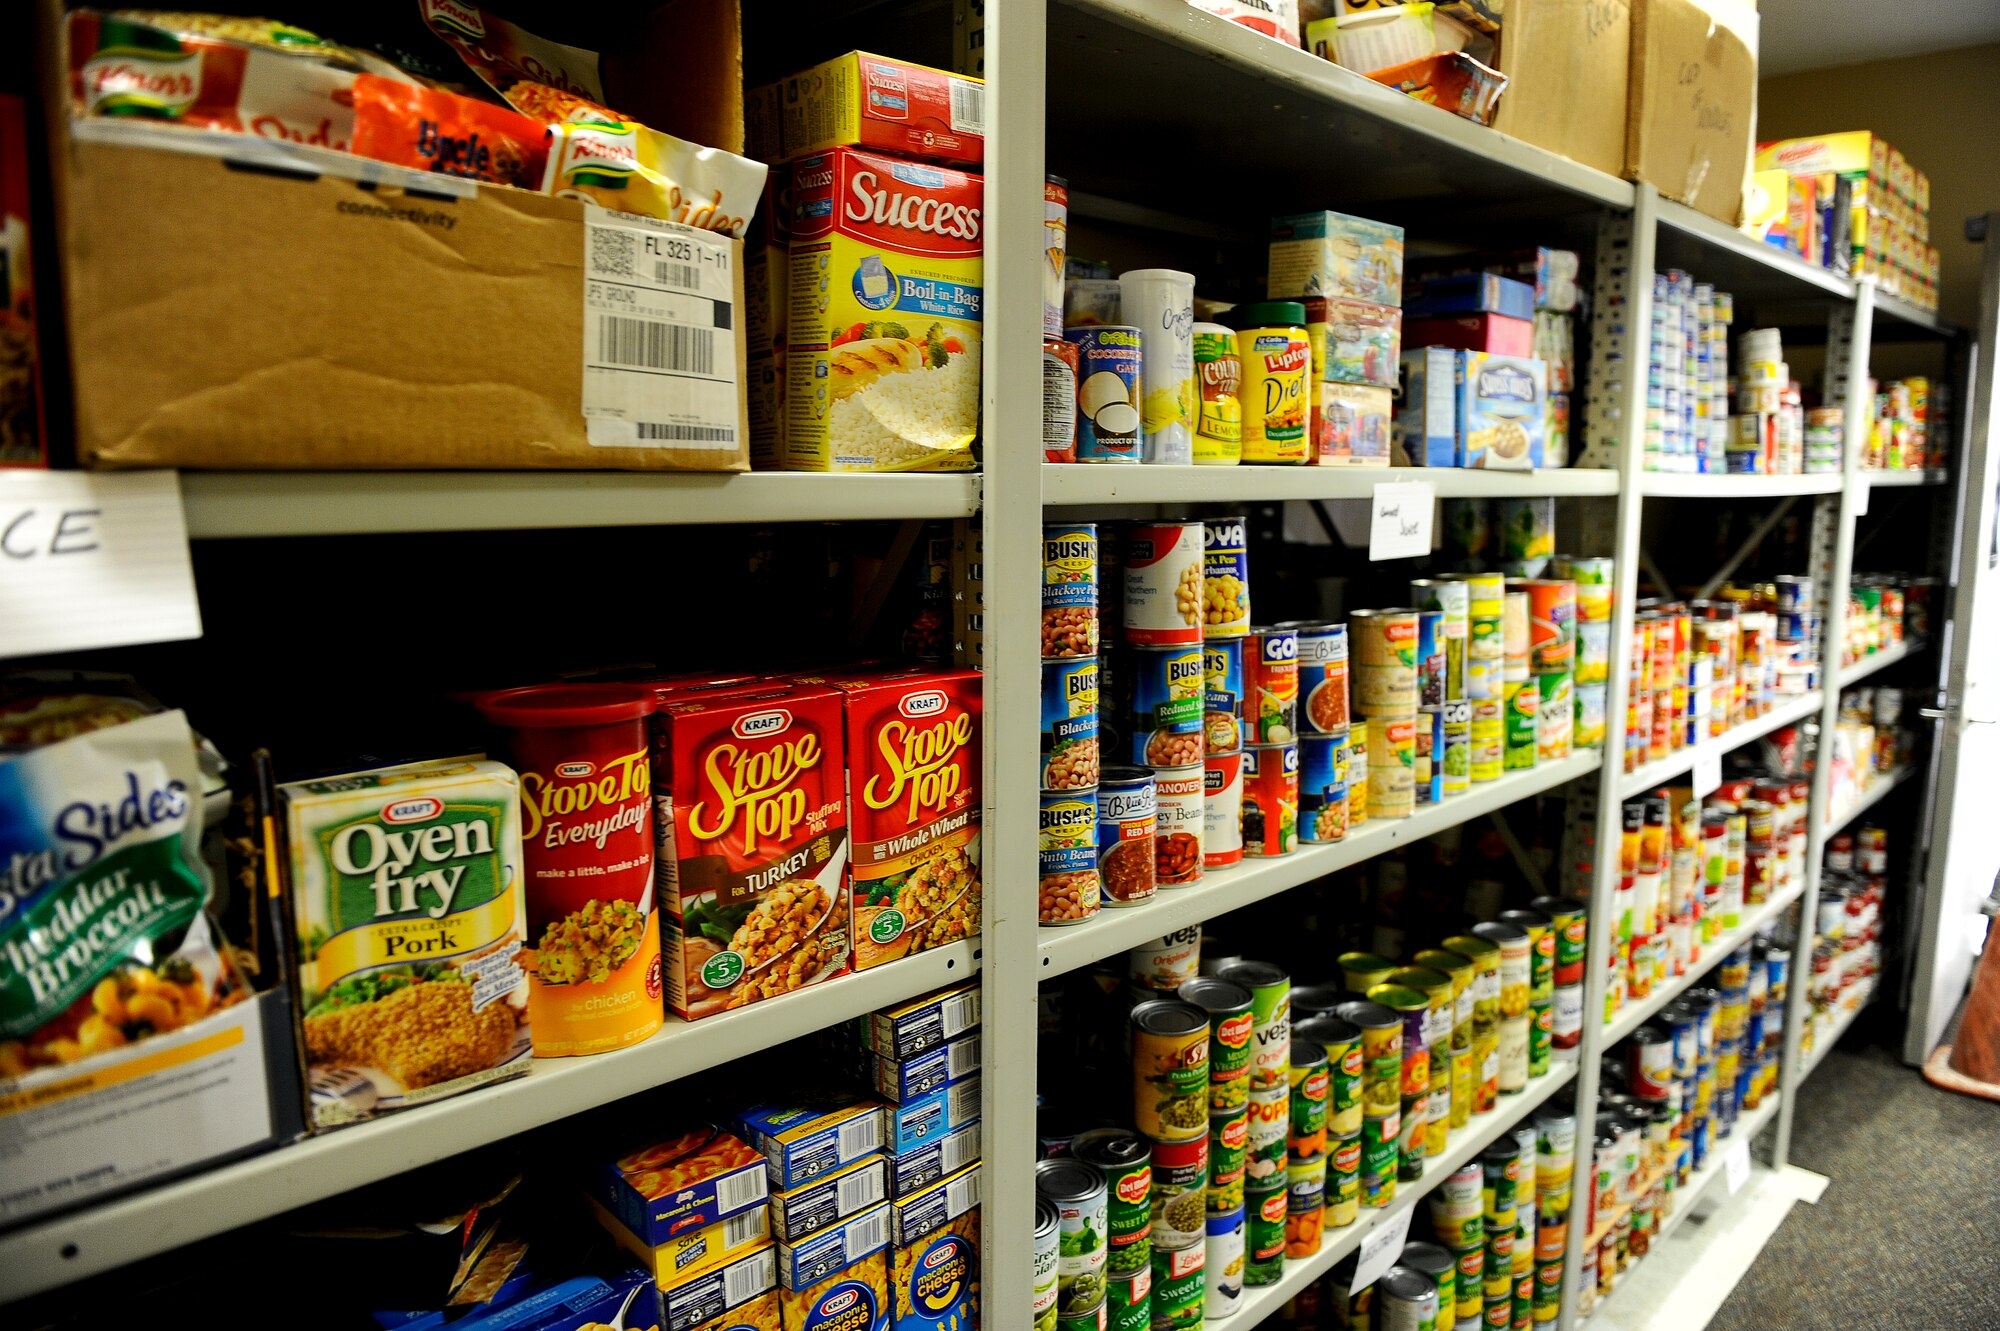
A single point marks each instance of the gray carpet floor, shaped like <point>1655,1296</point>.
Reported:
<point>1902,1237</point>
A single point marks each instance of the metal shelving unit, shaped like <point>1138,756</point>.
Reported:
<point>1882,660</point>
<point>1065,485</point>
<point>1636,1013</point>
<point>1708,485</point>
<point>1877,791</point>
<point>1843,1020</point>
<point>1652,775</point>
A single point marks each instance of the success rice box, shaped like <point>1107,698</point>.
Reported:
<point>680,1185</point>
<point>752,844</point>
<point>882,358</point>
<point>913,811</point>
<point>934,1256</point>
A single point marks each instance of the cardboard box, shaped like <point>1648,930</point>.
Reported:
<point>1568,69</point>
<point>694,1252</point>
<point>811,1207</point>
<point>1690,123</point>
<point>921,1074</point>
<point>914,1170</point>
<point>908,1127</point>
<point>1333,254</point>
<point>1474,332</point>
<point>1502,411</point>
<point>860,100</point>
<point>934,1256</point>
<point>802,1142</point>
<point>738,1287</point>
<point>921,1023</point>
<point>1355,425</point>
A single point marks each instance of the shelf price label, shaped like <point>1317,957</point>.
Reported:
<point>1857,495</point>
<point>1383,1245</point>
<point>1736,1165</point>
<point>1707,774</point>
<point>93,559</point>
<point>1399,520</point>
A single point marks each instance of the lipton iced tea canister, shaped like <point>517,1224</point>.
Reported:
<point>1275,359</point>
<point>593,958</point>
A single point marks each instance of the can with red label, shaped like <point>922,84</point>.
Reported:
<point>1551,624</point>
<point>1270,799</point>
<point>1222,810</point>
<point>1163,584</point>
<point>1179,802</point>
<point>1126,820</point>
<point>1323,676</point>
<point>1059,362</point>
<point>1270,686</point>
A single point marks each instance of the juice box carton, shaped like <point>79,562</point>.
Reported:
<point>860,100</point>
<point>1502,411</point>
<point>882,351</point>
<point>1333,254</point>
<point>934,1255</point>
<point>1426,422</point>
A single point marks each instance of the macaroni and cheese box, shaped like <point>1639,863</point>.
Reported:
<point>903,1080</point>
<point>762,1313</point>
<point>1426,422</point>
<point>882,356</point>
<point>751,850</point>
<point>1354,425</point>
<point>691,1252</point>
<point>934,1256</point>
<point>1332,254</point>
<point>914,1170</point>
<point>811,1207</point>
<point>833,1249</point>
<point>838,1280</point>
<point>909,1126</point>
<point>681,1184</point>
<point>724,1297</point>
<point>860,100</point>
<point>899,1032</point>
<point>530,1301</point>
<point>913,810</point>
<point>1502,409</point>
<point>803,1142</point>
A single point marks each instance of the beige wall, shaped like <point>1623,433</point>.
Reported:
<point>1942,110</point>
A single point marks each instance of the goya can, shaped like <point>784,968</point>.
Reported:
<point>1275,359</point>
<point>1311,1076</point>
<point>1341,1039</point>
<point>1126,1161</point>
<point>1048,1250</point>
<point>1078,1191</point>
<point>1271,686</point>
<point>1179,1287</point>
<point>1069,590</point>
<point>1066,854</point>
<point>1264,1239</point>
<point>1270,803</point>
<point>1163,584</point>
<point>1177,797</point>
<point>1322,787</point>
<point>1305,1205</point>
<point>1168,688</point>
<point>1069,724</point>
<point>1271,1012</point>
<point>1180,1189</point>
<point>1231,1031</point>
<point>1127,819</point>
<point>1343,1181</point>
<point>1218,439</point>
<point>1129,1302</point>
<point>1109,390</point>
<point>1223,695</point>
<point>1384,644</point>
<point>1430,658</point>
<point>1392,767</point>
<point>1453,755</point>
<point>1323,676</point>
<point>1227,1236</point>
<point>1170,1070</point>
<point>1225,578</point>
<point>1222,810</point>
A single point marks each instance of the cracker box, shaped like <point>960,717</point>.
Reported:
<point>1496,333</point>
<point>803,1142</point>
<point>1332,254</point>
<point>902,1080</point>
<point>860,100</point>
<point>934,1256</point>
<point>882,353</point>
<point>918,1168</point>
<point>1354,431</point>
<point>1362,342</point>
<point>838,1280</point>
<point>680,1185</point>
<point>907,1127</point>
<point>752,844</point>
<point>913,810</point>
<point>731,1295</point>
<point>812,1206</point>
<point>1502,411</point>
<point>911,1027</point>
<point>1426,423</point>
<point>693,1252</point>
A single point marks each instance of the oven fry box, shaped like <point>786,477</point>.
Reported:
<point>898,1032</point>
<point>682,1183</point>
<point>693,1252</point>
<point>1501,411</point>
<point>901,1081</point>
<point>1332,254</point>
<point>934,1256</point>
<point>917,1168</point>
<point>802,1142</point>
<point>910,1125</point>
<point>810,1207</point>
<point>1426,424</point>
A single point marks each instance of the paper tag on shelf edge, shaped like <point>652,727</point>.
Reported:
<point>1382,1247</point>
<point>1736,1165</point>
<point>1399,519</point>
<point>1858,496</point>
<point>1707,774</point>
<point>93,559</point>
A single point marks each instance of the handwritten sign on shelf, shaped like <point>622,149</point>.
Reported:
<point>1399,520</point>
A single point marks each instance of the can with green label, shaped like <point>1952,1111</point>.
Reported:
<point>1264,1245</point>
<point>1541,1031</point>
<point>1271,1008</point>
<point>1126,1160</point>
<point>1362,971</point>
<point>1231,1025</point>
<point>1541,949</point>
<point>1441,1267</point>
<point>1518,700</point>
<point>1228,1154</point>
<point>1343,1182</point>
<point>1179,1287</point>
<point>1129,1304</point>
<point>1312,1093</point>
<point>1569,923</point>
<point>1379,1156</point>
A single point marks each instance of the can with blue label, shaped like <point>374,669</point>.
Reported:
<point>1431,670</point>
<point>1069,724</point>
<point>1222,695</point>
<point>1322,787</point>
<point>1127,821</point>
<point>1169,693</point>
<point>1066,854</point>
<point>1323,697</point>
<point>1069,590</point>
<point>1108,393</point>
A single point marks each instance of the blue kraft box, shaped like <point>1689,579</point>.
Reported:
<point>913,1125</point>
<point>802,1142</point>
<point>1471,293</point>
<point>916,1169</point>
<point>1424,432</point>
<point>903,1080</point>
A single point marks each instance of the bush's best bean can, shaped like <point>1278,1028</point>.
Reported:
<point>1431,670</point>
<point>1126,1161</point>
<point>1129,1304</point>
<point>1078,1191</point>
<point>1179,1287</point>
<point>1225,579</point>
<point>1163,584</point>
<point>1067,855</point>
<point>1311,1099</point>
<point>1069,724</point>
<point>1109,390</point>
<point>1177,793</point>
<point>1270,801</point>
<point>1222,810</point>
<point>1231,1033</point>
<point>1127,819</point>
<point>1048,1247</point>
<point>1264,1238</point>
<point>1170,1070</point>
<point>1218,440</point>
<point>1166,963</point>
<point>1305,1205</point>
<point>1069,590</point>
<point>1323,676</point>
<point>1322,787</point>
<point>1271,1007</point>
<point>1227,1239</point>
<point>1223,695</point>
<point>1167,699</point>
<point>1384,644</point>
<point>1271,686</point>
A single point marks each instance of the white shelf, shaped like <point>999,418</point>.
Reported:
<point>1652,775</point>
<point>1635,1014</point>
<point>1262,1301</point>
<point>1112,931</point>
<point>1084,483</point>
<point>352,503</point>
<point>1935,476</point>
<point>1737,262</point>
<point>1824,1041</point>
<point>1882,660</point>
<point>1895,307</point>
<point>1877,791</point>
<point>1726,485</point>
<point>1748,1125</point>
<point>96,1240</point>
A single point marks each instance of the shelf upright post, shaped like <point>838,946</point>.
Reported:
<point>1849,332</point>
<point>1016,108</point>
<point>1615,416</point>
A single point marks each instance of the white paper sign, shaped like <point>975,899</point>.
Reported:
<point>93,559</point>
<point>1858,496</point>
<point>1736,1165</point>
<point>1384,1243</point>
<point>1399,520</point>
<point>1707,774</point>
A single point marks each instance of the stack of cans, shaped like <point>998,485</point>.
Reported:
<point>1594,582</point>
<point>1485,653</point>
<point>1520,697</point>
<point>1444,629</point>
<point>1552,653</point>
<point>1325,739</point>
<point>1071,742</point>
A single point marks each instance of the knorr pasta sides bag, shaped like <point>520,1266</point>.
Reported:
<point>405,887</point>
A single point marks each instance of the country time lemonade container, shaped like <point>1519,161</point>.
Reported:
<point>882,367</point>
<point>593,954</point>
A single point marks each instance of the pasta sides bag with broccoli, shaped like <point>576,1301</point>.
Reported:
<point>405,887</point>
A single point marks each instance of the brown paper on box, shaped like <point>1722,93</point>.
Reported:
<point>1690,130</point>
<point>1567,63</point>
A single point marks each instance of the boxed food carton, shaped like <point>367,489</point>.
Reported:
<point>812,1206</point>
<point>868,101</point>
<point>803,1142</point>
<point>917,1168</point>
<point>1332,254</point>
<point>1690,122</point>
<point>921,1023</point>
<point>1568,72</point>
<point>681,1184</point>
<point>1363,340</point>
<point>740,1293</point>
<point>531,1301</point>
<point>1355,425</point>
<point>934,1255</point>
<point>1470,293</point>
<point>1555,275</point>
<point>694,1252</point>
<point>902,1080</point>
<point>906,1127</point>
<point>1502,411</point>
<point>23,432</point>
<point>1496,333</point>
<point>1426,421</point>
<point>838,1278</point>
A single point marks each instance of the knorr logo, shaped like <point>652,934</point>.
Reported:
<point>149,83</point>
<point>464,20</point>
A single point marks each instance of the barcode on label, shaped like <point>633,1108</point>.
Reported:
<point>860,1136</point>
<point>751,1225</point>
<point>965,1101</point>
<point>740,1190</point>
<point>961,1148</point>
<point>965,1057</point>
<point>685,434</point>
<point>860,1189</point>
<point>653,345</point>
<point>962,1195</point>
<point>685,276</point>
<point>751,1277</point>
<point>612,251</point>
<point>968,107</point>
<point>868,1233</point>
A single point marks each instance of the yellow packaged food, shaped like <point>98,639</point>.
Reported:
<point>626,166</point>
